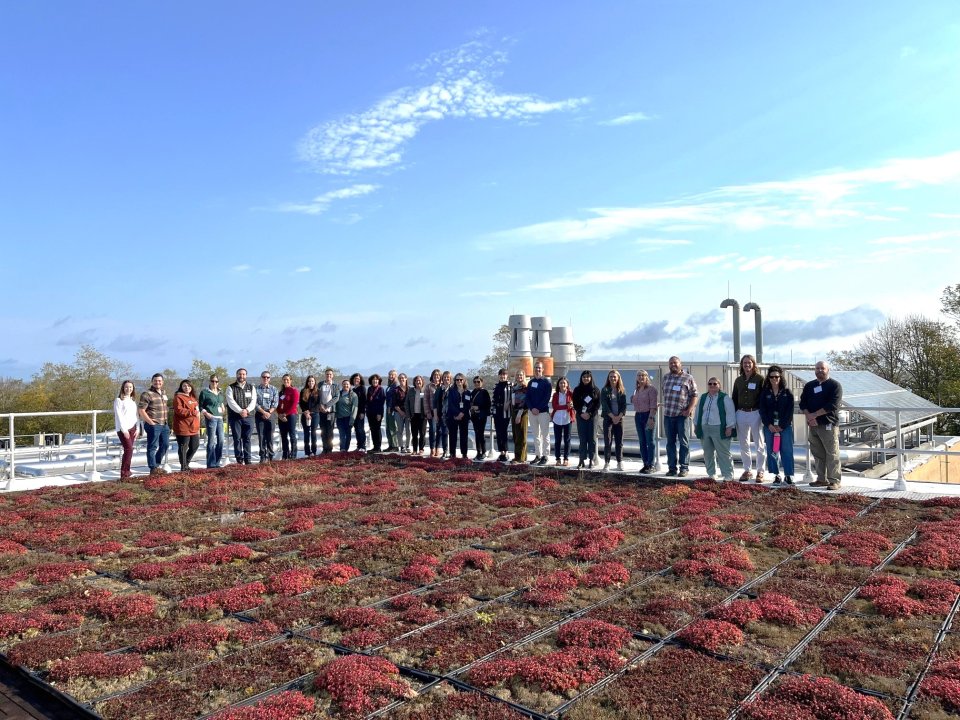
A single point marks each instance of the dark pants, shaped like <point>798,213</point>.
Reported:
<point>242,430</point>
<point>561,441</point>
<point>480,433</point>
<point>418,428</point>
<point>432,430</point>
<point>612,432</point>
<point>457,429</point>
<point>186,448</point>
<point>645,435</point>
<point>127,444</point>
<point>359,427</point>
<point>288,436</point>
<point>309,433</point>
<point>265,436</point>
<point>327,420</point>
<point>442,434</point>
<point>500,427</point>
<point>158,438</point>
<point>344,426</point>
<point>588,440</point>
<point>376,431</point>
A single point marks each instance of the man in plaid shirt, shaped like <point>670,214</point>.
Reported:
<point>678,396</point>
<point>267,400</point>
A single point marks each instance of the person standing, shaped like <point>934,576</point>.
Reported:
<point>359,425</point>
<point>346,410</point>
<point>267,400</point>
<point>746,399</point>
<point>502,396</point>
<point>390,390</point>
<point>458,412</point>
<point>776,413</point>
<point>586,404</point>
<point>287,403</point>
<point>820,402</point>
<point>518,407</point>
<point>539,390</point>
<point>310,415</point>
<point>126,421</point>
<point>416,408</point>
<point>613,404</point>
<point>211,408</point>
<point>479,412</point>
<point>440,409</point>
<point>401,421</point>
<point>153,411</point>
<point>241,403</point>
<point>644,401</point>
<point>432,414</point>
<point>186,423</point>
<point>561,413</point>
<point>679,393</point>
<point>329,394</point>
<point>715,424</point>
<point>376,401</point>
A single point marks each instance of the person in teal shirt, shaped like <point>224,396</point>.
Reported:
<point>211,409</point>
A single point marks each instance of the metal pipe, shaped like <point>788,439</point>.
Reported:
<point>13,453</point>
<point>758,328</point>
<point>730,302</point>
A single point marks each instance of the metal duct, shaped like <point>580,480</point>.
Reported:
<point>758,329</point>
<point>730,302</point>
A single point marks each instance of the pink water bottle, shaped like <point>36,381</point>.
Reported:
<point>776,442</point>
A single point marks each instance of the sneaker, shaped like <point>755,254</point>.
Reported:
<point>777,480</point>
<point>759,480</point>
<point>711,478</point>
<point>580,465</point>
<point>759,475</point>
<point>606,465</point>
<point>619,467</point>
<point>502,458</point>
<point>788,480</point>
<point>747,475</point>
<point>566,462</point>
<point>683,473</point>
<point>543,460</point>
<point>671,473</point>
<point>819,483</point>
<point>833,486</point>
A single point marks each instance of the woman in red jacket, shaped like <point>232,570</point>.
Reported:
<point>186,423</point>
<point>287,406</point>
<point>561,412</point>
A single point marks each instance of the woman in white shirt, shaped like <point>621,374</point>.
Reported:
<point>561,407</point>
<point>125,417</point>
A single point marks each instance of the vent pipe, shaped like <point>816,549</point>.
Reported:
<point>758,328</point>
<point>730,302</point>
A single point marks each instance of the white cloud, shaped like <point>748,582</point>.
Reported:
<point>605,277</point>
<point>661,242</point>
<point>627,119</point>
<point>321,203</point>
<point>461,86</point>
<point>818,201</point>
<point>917,238</point>
<point>484,293</point>
<point>240,268</point>
<point>303,269</point>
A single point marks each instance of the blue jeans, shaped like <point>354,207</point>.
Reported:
<point>676,429</point>
<point>344,426</point>
<point>158,438</point>
<point>214,441</point>
<point>359,427</point>
<point>442,433</point>
<point>587,434</point>
<point>242,430</point>
<point>645,436</point>
<point>432,432</point>
<point>786,450</point>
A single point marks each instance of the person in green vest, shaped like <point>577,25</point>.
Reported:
<point>716,423</point>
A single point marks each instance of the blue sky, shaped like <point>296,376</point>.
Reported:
<point>384,184</point>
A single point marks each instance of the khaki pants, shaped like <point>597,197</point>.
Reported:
<point>824,443</point>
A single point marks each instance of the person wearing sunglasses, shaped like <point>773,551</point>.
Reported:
<point>479,412</point>
<point>211,408</point>
<point>267,400</point>
<point>586,404</point>
<point>458,410</point>
<point>715,425</point>
<point>776,413</point>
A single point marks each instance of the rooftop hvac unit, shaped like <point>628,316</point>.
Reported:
<point>48,440</point>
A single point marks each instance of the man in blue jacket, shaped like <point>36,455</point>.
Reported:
<point>539,390</point>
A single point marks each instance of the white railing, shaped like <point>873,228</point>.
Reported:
<point>11,437</point>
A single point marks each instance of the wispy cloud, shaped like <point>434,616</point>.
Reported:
<point>648,334</point>
<point>605,277</point>
<point>462,85</point>
<point>80,337</point>
<point>132,343</point>
<point>484,293</point>
<point>303,269</point>
<point>842,324</point>
<point>627,119</point>
<point>240,268</point>
<point>916,238</point>
<point>818,201</point>
<point>661,242</point>
<point>413,342</point>
<point>321,203</point>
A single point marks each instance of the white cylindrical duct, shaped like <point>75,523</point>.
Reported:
<point>541,336</point>
<point>520,335</point>
<point>561,336</point>
<point>564,353</point>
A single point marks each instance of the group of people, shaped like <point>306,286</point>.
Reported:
<point>432,416</point>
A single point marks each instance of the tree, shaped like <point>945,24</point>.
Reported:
<point>299,369</point>
<point>200,372</point>
<point>880,352</point>
<point>950,302</point>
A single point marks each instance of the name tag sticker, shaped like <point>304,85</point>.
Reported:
<point>751,386</point>
<point>533,384</point>
<point>817,389</point>
<point>677,388</point>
